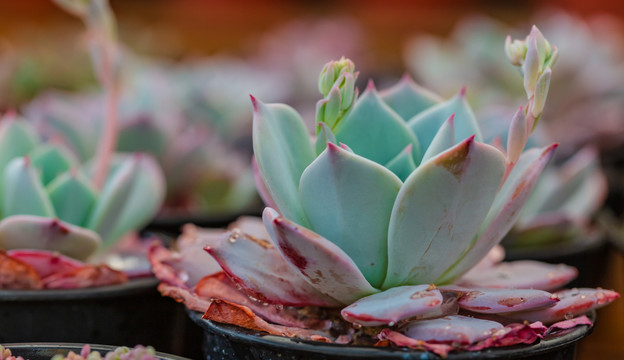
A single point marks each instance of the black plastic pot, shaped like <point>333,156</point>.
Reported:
<point>131,313</point>
<point>229,342</point>
<point>588,257</point>
<point>45,351</point>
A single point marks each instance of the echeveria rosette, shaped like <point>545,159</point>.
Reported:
<point>48,203</point>
<point>383,215</point>
<point>381,179</point>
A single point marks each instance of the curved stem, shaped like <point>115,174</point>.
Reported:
<point>107,144</point>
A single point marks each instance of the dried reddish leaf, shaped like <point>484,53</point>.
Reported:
<point>230,313</point>
<point>401,340</point>
<point>219,286</point>
<point>46,262</point>
<point>161,258</point>
<point>17,275</point>
<point>185,296</point>
<point>512,334</point>
<point>84,277</point>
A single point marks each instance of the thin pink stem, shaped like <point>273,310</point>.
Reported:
<point>107,144</point>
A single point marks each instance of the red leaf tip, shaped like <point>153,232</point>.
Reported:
<point>462,91</point>
<point>371,85</point>
<point>254,103</point>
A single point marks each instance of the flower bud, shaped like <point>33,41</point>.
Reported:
<point>337,84</point>
<point>516,51</point>
<point>332,73</point>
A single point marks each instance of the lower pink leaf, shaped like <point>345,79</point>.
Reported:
<point>524,274</point>
<point>498,301</point>
<point>572,302</point>
<point>456,329</point>
<point>259,269</point>
<point>400,303</point>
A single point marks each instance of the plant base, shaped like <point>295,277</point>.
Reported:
<point>229,342</point>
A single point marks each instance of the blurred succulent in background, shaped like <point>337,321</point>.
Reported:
<point>165,114</point>
<point>399,196</point>
<point>561,210</point>
<point>47,202</point>
<point>583,87</point>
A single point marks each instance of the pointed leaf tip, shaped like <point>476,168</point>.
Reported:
<point>462,91</point>
<point>254,103</point>
<point>371,85</point>
<point>407,78</point>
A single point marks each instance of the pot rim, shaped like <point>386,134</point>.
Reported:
<point>549,343</point>
<point>130,287</point>
<point>76,347</point>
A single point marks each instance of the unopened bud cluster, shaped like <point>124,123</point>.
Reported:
<point>337,85</point>
<point>535,57</point>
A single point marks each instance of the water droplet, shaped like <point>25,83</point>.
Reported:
<point>574,292</point>
<point>569,316</point>
<point>279,307</point>
<point>391,323</point>
<point>357,326</point>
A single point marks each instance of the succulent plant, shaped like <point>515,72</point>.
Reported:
<point>139,352</point>
<point>383,218</point>
<point>204,171</point>
<point>48,202</point>
<point>422,168</point>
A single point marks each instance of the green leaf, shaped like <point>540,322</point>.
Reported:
<point>426,124</point>
<point>439,210</point>
<point>443,140</point>
<point>408,99</point>
<point>129,199</point>
<point>403,164</point>
<point>17,138</point>
<point>23,192</point>
<point>373,130</point>
<point>324,136</point>
<point>52,160</point>
<point>283,150</point>
<point>142,135</point>
<point>348,200</point>
<point>72,197</point>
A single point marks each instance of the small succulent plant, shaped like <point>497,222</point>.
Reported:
<point>139,352</point>
<point>164,114</point>
<point>383,216</point>
<point>48,202</point>
<point>421,163</point>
